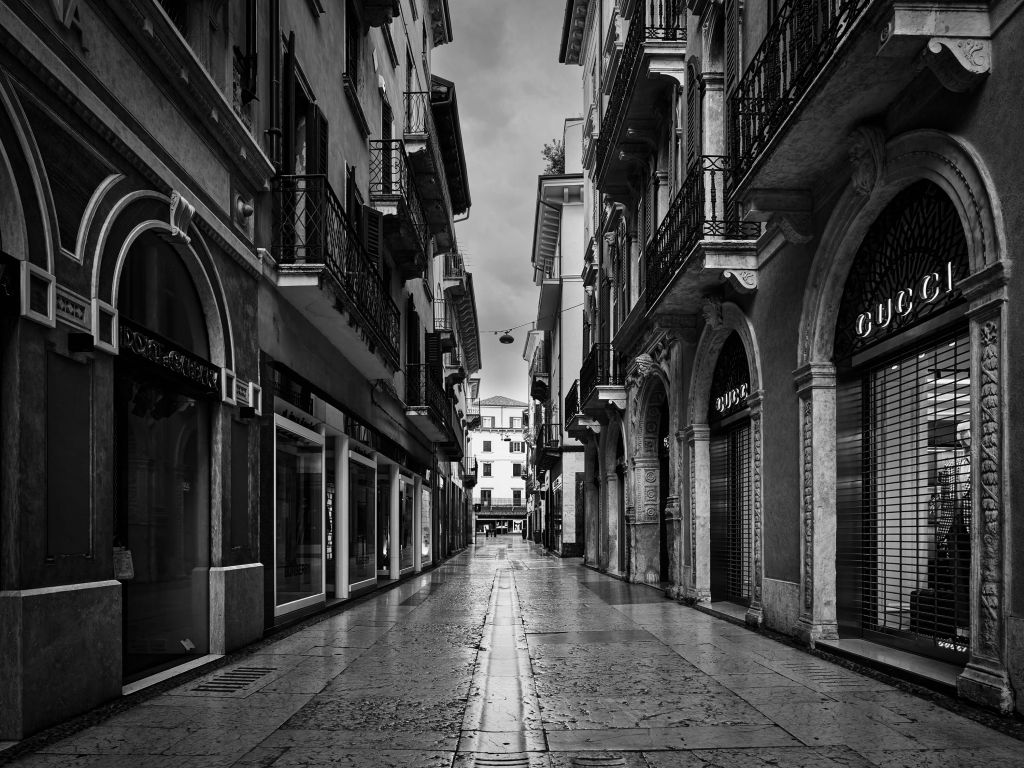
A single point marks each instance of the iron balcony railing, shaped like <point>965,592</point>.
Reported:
<point>549,435</point>
<point>422,389</point>
<point>443,320</point>
<point>661,20</point>
<point>600,368</point>
<point>473,406</point>
<point>392,179</point>
<point>699,211</point>
<point>804,35</point>
<point>454,266</point>
<point>311,228</point>
<point>501,501</point>
<point>419,119</point>
<point>572,401</point>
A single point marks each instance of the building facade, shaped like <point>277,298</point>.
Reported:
<point>797,393</point>
<point>498,449</point>
<point>553,354</point>
<point>235,328</point>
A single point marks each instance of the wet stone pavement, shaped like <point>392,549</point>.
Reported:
<point>507,657</point>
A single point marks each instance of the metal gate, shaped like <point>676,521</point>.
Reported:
<point>731,524</point>
<point>903,551</point>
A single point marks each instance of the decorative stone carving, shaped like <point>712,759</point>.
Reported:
<point>796,228</point>
<point>867,156</point>
<point>711,309</point>
<point>639,370</point>
<point>742,280</point>
<point>180,217</point>
<point>807,502</point>
<point>756,482</point>
<point>990,456</point>
<point>960,64</point>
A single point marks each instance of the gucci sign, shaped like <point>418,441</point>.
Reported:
<point>927,290</point>
<point>726,402</point>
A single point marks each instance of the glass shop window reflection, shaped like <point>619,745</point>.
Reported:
<point>299,535</point>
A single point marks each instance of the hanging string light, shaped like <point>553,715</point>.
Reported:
<point>506,336</point>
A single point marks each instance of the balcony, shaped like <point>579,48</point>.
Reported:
<point>469,473</point>
<point>700,243</point>
<point>548,449</point>
<point>426,404</point>
<point>452,447</point>
<point>393,193</point>
<point>601,382</point>
<point>377,13</point>
<point>454,278</point>
<point>444,325</point>
<point>577,424</point>
<point>804,91</point>
<point>503,507</point>
<point>422,143</point>
<point>323,269</point>
<point>655,44</point>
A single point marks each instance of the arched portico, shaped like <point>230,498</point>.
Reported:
<point>883,170</point>
<point>722,319</point>
<point>612,553</point>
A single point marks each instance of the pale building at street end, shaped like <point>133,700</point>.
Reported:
<point>235,329</point>
<point>553,354</point>
<point>498,448</point>
<point>797,397</point>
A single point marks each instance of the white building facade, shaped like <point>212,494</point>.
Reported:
<point>498,445</point>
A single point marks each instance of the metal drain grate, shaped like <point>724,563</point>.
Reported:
<point>234,680</point>
<point>502,761</point>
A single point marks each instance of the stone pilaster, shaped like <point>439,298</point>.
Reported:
<point>644,552</point>
<point>985,678</point>
<point>698,440</point>
<point>816,390</point>
<point>673,527</point>
<point>754,612</point>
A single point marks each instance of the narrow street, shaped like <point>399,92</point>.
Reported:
<point>506,657</point>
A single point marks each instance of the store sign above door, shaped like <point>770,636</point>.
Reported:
<point>927,290</point>
<point>137,341</point>
<point>731,400</point>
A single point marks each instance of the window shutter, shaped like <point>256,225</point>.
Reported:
<point>288,106</point>
<point>373,229</point>
<point>693,104</point>
<point>317,142</point>
<point>433,356</point>
<point>732,45</point>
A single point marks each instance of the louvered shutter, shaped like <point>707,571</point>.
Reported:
<point>317,141</point>
<point>373,229</point>
<point>693,105</point>
<point>732,45</point>
<point>288,107</point>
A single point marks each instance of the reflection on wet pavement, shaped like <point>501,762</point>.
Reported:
<point>508,657</point>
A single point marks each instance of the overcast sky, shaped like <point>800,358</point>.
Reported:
<point>513,98</point>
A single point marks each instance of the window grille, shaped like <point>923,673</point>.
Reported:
<point>903,549</point>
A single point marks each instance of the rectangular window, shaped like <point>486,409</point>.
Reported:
<point>362,480</point>
<point>487,446</point>
<point>517,447</point>
<point>517,470</point>
<point>517,497</point>
<point>487,469</point>
<point>487,422</point>
<point>485,497</point>
<point>516,422</point>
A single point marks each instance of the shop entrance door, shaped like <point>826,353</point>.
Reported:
<point>731,545</point>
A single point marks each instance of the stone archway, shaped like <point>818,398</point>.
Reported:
<point>881,171</point>
<point>722,319</point>
<point>612,552</point>
<point>651,513</point>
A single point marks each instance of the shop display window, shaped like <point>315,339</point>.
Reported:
<point>362,480</point>
<point>426,554</point>
<point>406,535</point>
<point>299,526</point>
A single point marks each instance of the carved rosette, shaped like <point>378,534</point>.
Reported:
<point>867,156</point>
<point>990,456</point>
<point>807,493</point>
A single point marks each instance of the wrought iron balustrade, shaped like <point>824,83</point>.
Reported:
<point>700,210</point>
<point>653,20</point>
<point>442,316</point>
<point>572,401</point>
<point>423,389</point>
<point>392,179</point>
<point>311,228</point>
<point>600,368</point>
<point>454,266</point>
<point>804,35</point>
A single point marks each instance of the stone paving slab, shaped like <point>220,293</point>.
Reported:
<point>653,739</point>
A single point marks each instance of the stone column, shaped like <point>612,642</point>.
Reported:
<point>816,390</point>
<point>341,518</point>
<point>644,558</point>
<point>698,440</point>
<point>985,678</point>
<point>673,525</point>
<point>754,615</point>
<point>612,537</point>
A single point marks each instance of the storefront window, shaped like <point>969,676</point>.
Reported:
<point>361,488</point>
<point>405,530</point>
<point>425,523</point>
<point>298,545</point>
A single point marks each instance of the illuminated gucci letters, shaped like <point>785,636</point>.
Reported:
<point>927,290</point>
